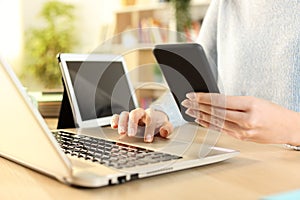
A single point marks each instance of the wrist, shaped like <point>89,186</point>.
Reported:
<point>294,136</point>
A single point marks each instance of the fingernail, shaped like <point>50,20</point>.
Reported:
<point>163,132</point>
<point>149,138</point>
<point>114,125</point>
<point>130,132</point>
<point>121,129</point>
<point>191,96</point>
<point>189,112</point>
<point>185,103</point>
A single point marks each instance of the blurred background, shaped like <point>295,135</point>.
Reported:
<point>26,33</point>
<point>34,31</point>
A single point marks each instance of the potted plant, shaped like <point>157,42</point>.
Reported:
<point>44,43</point>
<point>182,14</point>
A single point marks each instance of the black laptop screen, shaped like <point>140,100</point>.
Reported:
<point>101,88</point>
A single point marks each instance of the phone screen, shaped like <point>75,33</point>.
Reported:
<point>186,69</point>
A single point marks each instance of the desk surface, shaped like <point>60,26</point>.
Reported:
<point>258,171</point>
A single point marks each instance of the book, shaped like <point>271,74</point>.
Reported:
<point>47,102</point>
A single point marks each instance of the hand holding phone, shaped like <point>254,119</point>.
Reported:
<point>186,69</point>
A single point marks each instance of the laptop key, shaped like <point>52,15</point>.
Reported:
<point>109,153</point>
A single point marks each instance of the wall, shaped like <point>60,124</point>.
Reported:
<point>11,36</point>
<point>16,16</point>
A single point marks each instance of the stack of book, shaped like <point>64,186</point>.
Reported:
<point>48,102</point>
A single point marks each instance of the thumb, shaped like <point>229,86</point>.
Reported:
<point>166,129</point>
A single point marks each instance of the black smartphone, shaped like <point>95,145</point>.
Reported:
<point>186,69</point>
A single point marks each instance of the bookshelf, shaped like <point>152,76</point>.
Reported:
<point>156,14</point>
<point>145,75</point>
<point>143,26</point>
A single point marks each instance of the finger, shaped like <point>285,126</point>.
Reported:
<point>134,117</point>
<point>123,121</point>
<point>230,115</point>
<point>201,107</point>
<point>114,121</point>
<point>215,128</point>
<point>150,125</point>
<point>218,122</point>
<point>235,131</point>
<point>220,100</point>
<point>226,127</point>
<point>166,129</point>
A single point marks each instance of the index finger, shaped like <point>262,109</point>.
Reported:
<point>135,117</point>
<point>220,100</point>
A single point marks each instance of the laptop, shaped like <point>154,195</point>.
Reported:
<point>91,157</point>
<point>97,86</point>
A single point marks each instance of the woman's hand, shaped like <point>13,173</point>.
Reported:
<point>245,118</point>
<point>153,121</point>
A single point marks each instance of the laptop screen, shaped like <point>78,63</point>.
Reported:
<point>98,87</point>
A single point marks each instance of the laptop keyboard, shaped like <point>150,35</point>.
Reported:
<point>109,153</point>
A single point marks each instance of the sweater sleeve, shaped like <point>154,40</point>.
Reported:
<point>166,103</point>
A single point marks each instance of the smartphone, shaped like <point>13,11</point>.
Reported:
<point>186,69</point>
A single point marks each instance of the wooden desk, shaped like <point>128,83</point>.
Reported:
<point>258,171</point>
<point>51,122</point>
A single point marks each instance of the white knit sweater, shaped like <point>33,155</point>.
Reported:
<point>255,48</point>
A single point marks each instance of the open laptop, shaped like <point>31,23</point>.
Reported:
<point>92,157</point>
<point>97,86</point>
